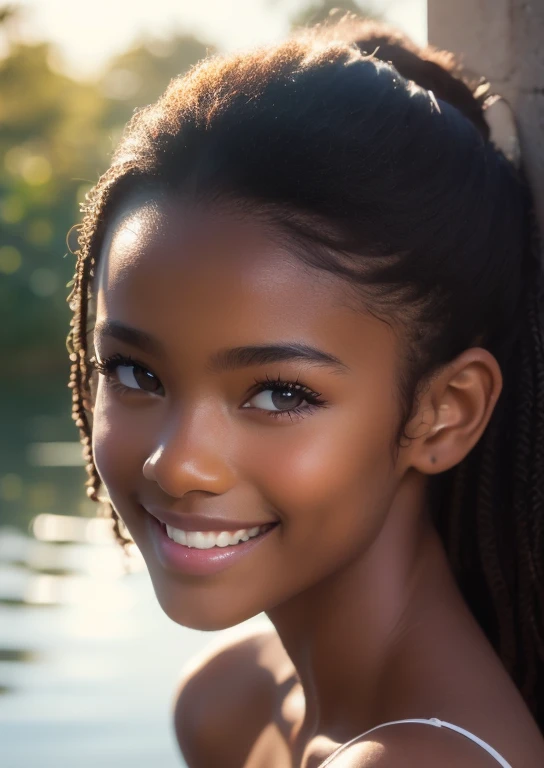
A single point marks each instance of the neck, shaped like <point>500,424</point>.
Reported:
<point>343,633</point>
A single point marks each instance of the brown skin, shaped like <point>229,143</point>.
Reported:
<point>354,577</point>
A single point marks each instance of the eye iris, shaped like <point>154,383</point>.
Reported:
<point>145,379</point>
<point>285,399</point>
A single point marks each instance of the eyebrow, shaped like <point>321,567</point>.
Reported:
<point>132,336</point>
<point>229,359</point>
<point>245,357</point>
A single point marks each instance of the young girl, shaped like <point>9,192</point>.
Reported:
<point>311,288</point>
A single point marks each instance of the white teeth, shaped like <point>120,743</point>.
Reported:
<point>223,540</point>
<point>200,540</point>
<point>240,536</point>
<point>209,539</point>
<point>180,537</point>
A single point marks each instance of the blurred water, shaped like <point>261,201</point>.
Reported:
<point>35,411</point>
<point>88,661</point>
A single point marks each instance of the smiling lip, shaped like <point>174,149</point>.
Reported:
<point>187,521</point>
<point>198,562</point>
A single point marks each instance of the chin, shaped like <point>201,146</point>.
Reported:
<point>198,609</point>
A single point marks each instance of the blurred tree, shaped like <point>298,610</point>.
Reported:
<point>55,138</point>
<point>139,76</point>
<point>320,10</point>
<point>48,145</point>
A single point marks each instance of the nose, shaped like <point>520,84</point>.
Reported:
<point>190,455</point>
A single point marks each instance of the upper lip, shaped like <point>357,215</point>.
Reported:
<point>188,521</point>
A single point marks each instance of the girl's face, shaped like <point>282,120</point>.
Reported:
<point>241,390</point>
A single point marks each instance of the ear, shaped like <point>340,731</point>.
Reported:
<point>453,412</point>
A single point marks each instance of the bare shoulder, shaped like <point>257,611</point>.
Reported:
<point>414,746</point>
<point>227,689</point>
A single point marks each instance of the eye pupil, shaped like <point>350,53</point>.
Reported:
<point>286,398</point>
<point>145,379</point>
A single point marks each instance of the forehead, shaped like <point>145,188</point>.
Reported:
<point>180,271</point>
<point>161,248</point>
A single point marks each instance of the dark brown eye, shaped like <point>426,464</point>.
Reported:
<point>287,399</point>
<point>277,399</point>
<point>137,377</point>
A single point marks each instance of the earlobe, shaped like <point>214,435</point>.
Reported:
<point>454,412</point>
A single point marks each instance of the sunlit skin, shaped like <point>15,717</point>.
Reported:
<point>353,577</point>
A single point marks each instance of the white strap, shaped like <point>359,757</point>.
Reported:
<point>432,721</point>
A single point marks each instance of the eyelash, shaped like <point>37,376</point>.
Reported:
<point>313,399</point>
<point>109,365</point>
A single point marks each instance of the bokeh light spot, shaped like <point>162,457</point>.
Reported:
<point>36,170</point>
<point>10,259</point>
<point>12,209</point>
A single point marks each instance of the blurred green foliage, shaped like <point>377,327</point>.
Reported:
<point>321,10</point>
<point>56,135</point>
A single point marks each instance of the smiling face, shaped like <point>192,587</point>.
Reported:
<point>240,385</point>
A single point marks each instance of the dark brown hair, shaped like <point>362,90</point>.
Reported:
<point>397,188</point>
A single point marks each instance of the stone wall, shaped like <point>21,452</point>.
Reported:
<point>503,40</point>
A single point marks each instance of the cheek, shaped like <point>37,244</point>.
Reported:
<point>331,482</point>
<point>117,446</point>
